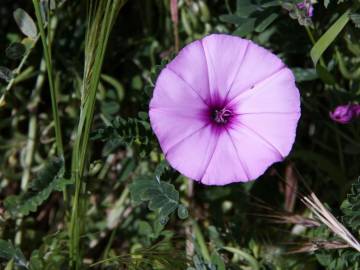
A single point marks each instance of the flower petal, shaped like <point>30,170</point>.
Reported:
<point>277,94</point>
<point>190,65</point>
<point>277,131</point>
<point>255,154</point>
<point>174,125</point>
<point>224,55</point>
<point>175,110</point>
<point>224,167</point>
<point>191,155</point>
<point>171,91</point>
<point>257,65</point>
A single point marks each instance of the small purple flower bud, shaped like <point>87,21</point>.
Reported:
<point>344,114</point>
<point>308,7</point>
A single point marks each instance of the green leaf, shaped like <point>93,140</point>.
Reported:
<point>9,252</point>
<point>245,7</point>
<point>246,28</point>
<point>160,196</point>
<point>10,265</point>
<point>25,23</point>
<point>326,39</point>
<point>116,84</point>
<point>217,261</point>
<point>233,19</point>
<point>325,75</point>
<point>36,261</point>
<point>266,22</point>
<point>124,132</point>
<point>15,51</point>
<point>6,74</point>
<point>48,180</point>
<point>110,107</point>
<point>161,168</point>
<point>244,255</point>
<point>274,3</point>
<point>182,212</point>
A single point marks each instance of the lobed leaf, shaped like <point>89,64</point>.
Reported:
<point>50,179</point>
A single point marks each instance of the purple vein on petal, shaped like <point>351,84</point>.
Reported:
<point>217,135</point>
<point>237,98</point>
<point>185,138</point>
<point>245,168</point>
<point>208,67</point>
<point>182,79</point>
<point>271,146</point>
<point>237,71</point>
<point>197,114</point>
<point>268,113</point>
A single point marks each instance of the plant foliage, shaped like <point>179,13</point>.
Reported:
<point>50,179</point>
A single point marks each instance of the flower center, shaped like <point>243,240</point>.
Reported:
<point>221,116</point>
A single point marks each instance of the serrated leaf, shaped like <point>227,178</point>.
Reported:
<point>168,208</point>
<point>6,74</point>
<point>161,168</point>
<point>328,37</point>
<point>124,132</point>
<point>25,23</point>
<point>160,196</point>
<point>50,179</point>
<point>15,51</point>
<point>9,252</point>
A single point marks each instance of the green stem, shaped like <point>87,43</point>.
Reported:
<point>48,60</point>
<point>201,242</point>
<point>101,19</point>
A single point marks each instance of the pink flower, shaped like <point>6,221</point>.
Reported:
<point>224,110</point>
<point>344,114</point>
<point>307,6</point>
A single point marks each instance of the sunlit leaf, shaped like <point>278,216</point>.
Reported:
<point>25,23</point>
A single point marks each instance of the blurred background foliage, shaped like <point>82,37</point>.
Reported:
<point>141,214</point>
